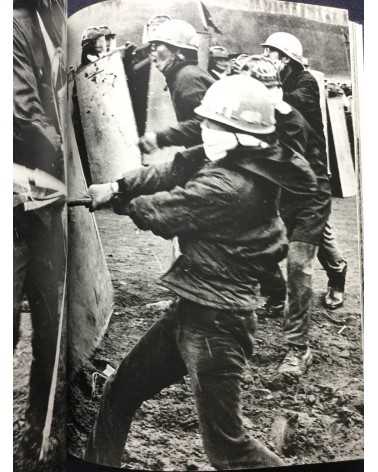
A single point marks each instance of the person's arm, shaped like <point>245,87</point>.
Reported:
<point>188,131</point>
<point>293,131</point>
<point>164,176</point>
<point>305,96</point>
<point>195,208</point>
<point>148,180</point>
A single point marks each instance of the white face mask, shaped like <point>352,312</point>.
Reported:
<point>216,141</point>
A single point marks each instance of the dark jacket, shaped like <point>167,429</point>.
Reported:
<point>305,217</point>
<point>225,215</point>
<point>36,138</point>
<point>301,91</point>
<point>187,84</point>
<point>295,132</point>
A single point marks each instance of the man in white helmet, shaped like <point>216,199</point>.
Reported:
<point>305,219</point>
<point>220,199</point>
<point>301,90</point>
<point>95,43</point>
<point>174,48</point>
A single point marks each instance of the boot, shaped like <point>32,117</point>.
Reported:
<point>272,309</point>
<point>334,298</point>
<point>296,361</point>
<point>263,457</point>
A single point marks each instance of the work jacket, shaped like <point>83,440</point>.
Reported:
<point>301,91</point>
<point>187,84</point>
<point>305,217</point>
<point>225,215</point>
<point>295,132</point>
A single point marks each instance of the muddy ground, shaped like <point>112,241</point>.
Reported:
<point>25,460</point>
<point>325,408</point>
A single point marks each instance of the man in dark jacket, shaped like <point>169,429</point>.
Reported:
<point>224,211</point>
<point>174,46</point>
<point>302,92</point>
<point>38,254</point>
<point>305,219</point>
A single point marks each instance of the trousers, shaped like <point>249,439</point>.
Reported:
<point>329,255</point>
<point>210,346</point>
<point>38,272</point>
<point>297,314</point>
<point>298,289</point>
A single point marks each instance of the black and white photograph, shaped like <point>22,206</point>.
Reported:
<point>188,270</point>
<point>215,147</point>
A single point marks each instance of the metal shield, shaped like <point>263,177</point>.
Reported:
<point>107,118</point>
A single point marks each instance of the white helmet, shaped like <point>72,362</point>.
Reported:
<point>241,102</point>
<point>287,43</point>
<point>152,24</point>
<point>178,33</point>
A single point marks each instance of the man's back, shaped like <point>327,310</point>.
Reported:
<point>301,91</point>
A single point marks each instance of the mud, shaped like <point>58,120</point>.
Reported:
<point>26,459</point>
<point>322,414</point>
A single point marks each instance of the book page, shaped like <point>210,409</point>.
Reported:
<point>40,235</point>
<point>214,325</point>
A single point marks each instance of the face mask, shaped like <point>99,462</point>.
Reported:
<point>217,142</point>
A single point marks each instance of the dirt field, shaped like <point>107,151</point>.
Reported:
<point>325,408</point>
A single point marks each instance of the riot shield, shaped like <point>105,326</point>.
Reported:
<point>90,291</point>
<point>107,118</point>
<point>160,115</point>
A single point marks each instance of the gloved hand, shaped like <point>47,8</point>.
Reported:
<point>101,194</point>
<point>148,143</point>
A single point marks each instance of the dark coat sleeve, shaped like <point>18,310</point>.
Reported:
<point>164,176</point>
<point>186,98</point>
<point>186,210</point>
<point>187,133</point>
<point>305,95</point>
<point>293,132</point>
<point>160,177</point>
